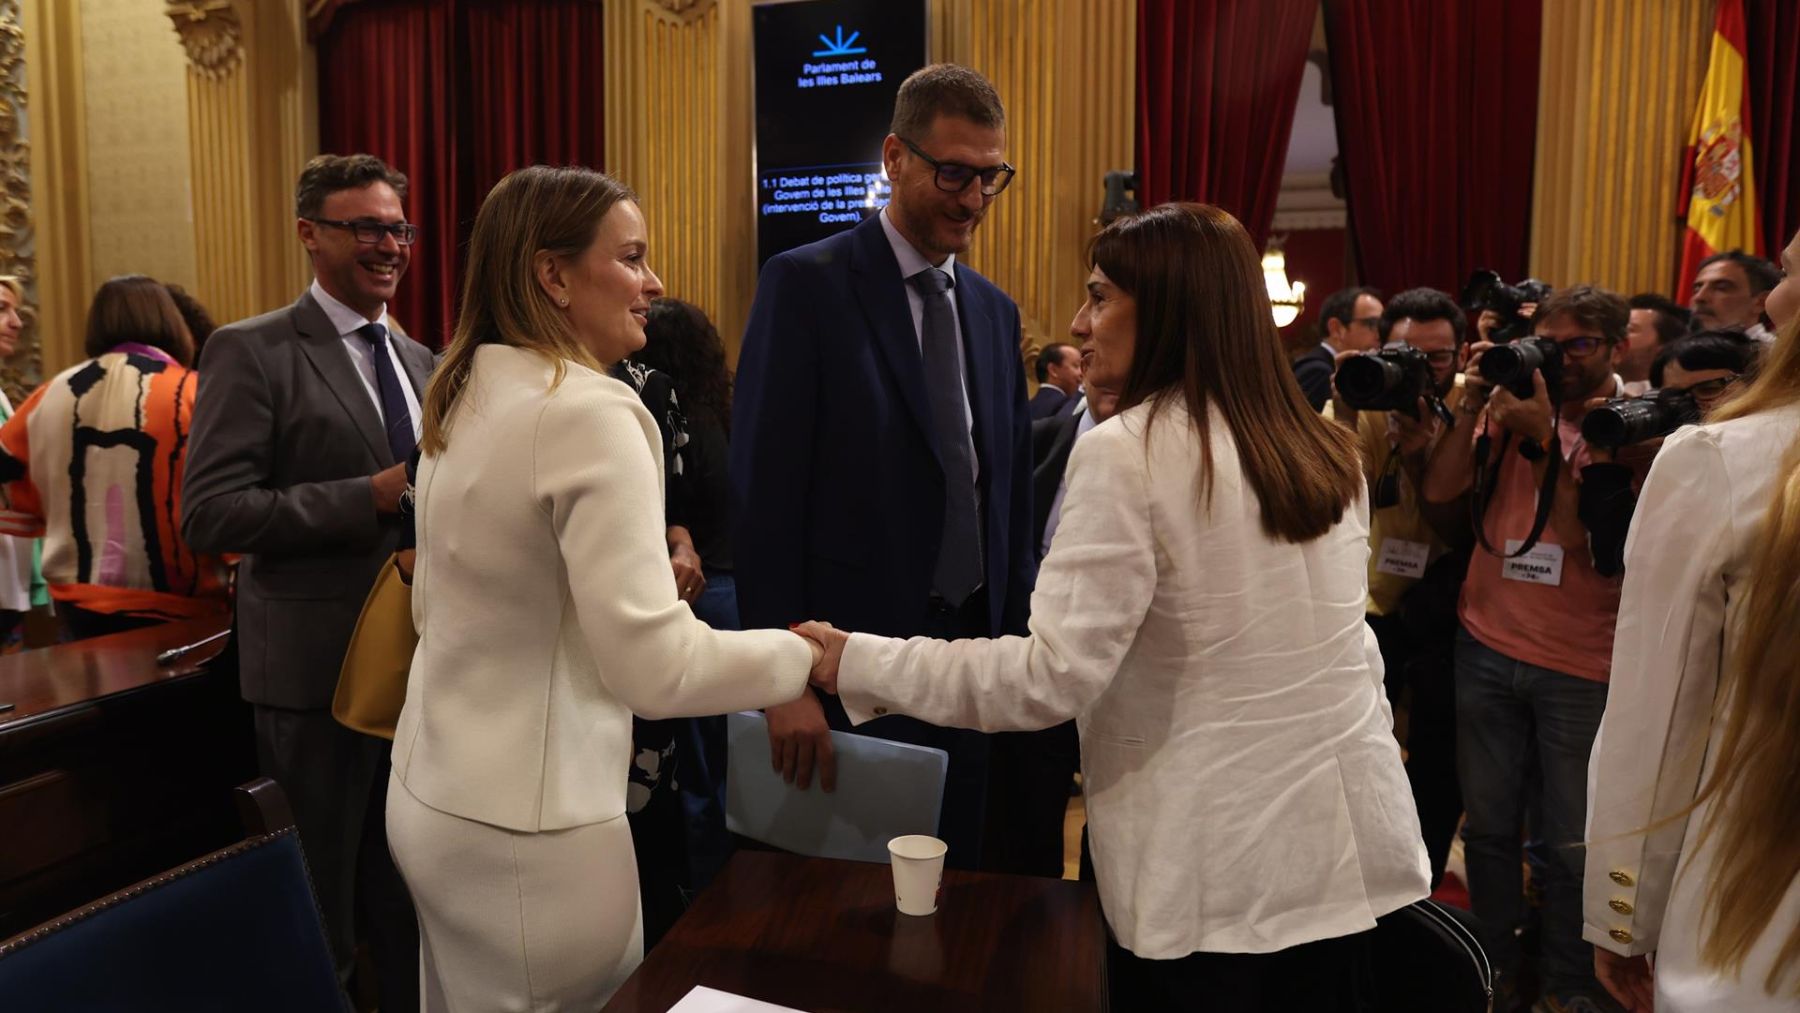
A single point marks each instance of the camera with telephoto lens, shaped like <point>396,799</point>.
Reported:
<point>1392,379</point>
<point>1510,365</point>
<point>1627,420</point>
<point>1485,291</point>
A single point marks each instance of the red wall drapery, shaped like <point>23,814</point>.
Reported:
<point>1217,85</point>
<point>1773,32</point>
<point>457,93</point>
<point>1436,104</point>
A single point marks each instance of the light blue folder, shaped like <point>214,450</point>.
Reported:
<point>884,790</point>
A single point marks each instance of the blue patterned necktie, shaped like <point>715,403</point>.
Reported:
<point>959,562</point>
<point>394,414</point>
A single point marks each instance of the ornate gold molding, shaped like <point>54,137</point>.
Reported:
<point>211,33</point>
<point>17,256</point>
<point>682,11</point>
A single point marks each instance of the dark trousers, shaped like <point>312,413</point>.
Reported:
<point>336,781</point>
<point>1326,976</point>
<point>1029,776</point>
<point>1420,668</point>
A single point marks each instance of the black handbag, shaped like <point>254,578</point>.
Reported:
<point>1426,959</point>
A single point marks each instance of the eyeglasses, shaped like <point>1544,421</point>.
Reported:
<point>1581,347</point>
<point>1441,358</point>
<point>1706,388</point>
<point>372,232</point>
<point>954,177</point>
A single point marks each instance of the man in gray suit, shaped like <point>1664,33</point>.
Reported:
<point>303,425</point>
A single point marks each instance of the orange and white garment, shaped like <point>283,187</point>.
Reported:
<point>92,462</point>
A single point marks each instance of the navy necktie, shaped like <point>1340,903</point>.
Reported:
<point>394,414</point>
<point>959,562</point>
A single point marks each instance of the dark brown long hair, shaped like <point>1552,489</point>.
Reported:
<point>1206,336</point>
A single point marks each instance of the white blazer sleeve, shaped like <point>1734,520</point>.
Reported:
<point>1647,757</point>
<point>1092,593</point>
<point>596,476</point>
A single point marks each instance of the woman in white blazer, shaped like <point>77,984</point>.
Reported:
<point>547,613</point>
<point>1200,614</point>
<point>1694,784</point>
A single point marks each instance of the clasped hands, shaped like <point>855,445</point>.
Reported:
<point>799,738</point>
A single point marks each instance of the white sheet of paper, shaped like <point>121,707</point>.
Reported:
<point>1542,565</point>
<point>711,1000</point>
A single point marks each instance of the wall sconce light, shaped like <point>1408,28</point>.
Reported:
<point>1286,298</point>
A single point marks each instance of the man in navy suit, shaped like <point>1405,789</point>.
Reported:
<point>1059,381</point>
<point>881,447</point>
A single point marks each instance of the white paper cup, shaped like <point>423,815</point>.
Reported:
<point>918,863</point>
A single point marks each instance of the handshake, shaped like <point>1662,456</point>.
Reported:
<point>827,642</point>
<point>799,737</point>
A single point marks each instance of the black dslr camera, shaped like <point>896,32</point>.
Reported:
<point>1485,291</point>
<point>1510,365</point>
<point>1390,380</point>
<point>1627,420</point>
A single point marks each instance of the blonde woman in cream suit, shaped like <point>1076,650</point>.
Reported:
<point>547,613</point>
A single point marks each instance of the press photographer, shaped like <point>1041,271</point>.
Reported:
<point>1396,399</point>
<point>1534,652</point>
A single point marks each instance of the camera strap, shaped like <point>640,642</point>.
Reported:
<point>1487,477</point>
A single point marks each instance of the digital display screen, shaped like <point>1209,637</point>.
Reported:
<point>827,72</point>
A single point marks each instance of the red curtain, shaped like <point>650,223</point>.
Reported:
<point>1436,104</point>
<point>1217,85</point>
<point>457,93</point>
<point>1773,31</point>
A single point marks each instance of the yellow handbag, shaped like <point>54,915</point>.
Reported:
<point>372,682</point>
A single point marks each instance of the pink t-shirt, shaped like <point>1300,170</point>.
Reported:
<point>1549,612</point>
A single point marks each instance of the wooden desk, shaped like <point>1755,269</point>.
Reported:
<point>823,936</point>
<point>112,767</point>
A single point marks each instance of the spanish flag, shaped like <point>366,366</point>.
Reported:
<point>1718,184</point>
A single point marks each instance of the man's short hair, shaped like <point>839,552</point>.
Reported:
<point>1424,305</point>
<point>1708,350</point>
<point>325,175</point>
<point>1762,274</point>
<point>1341,305</point>
<point>1052,355</point>
<point>1590,306</point>
<point>944,89</point>
<point>1671,317</point>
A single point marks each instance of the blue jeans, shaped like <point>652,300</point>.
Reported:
<point>1506,712</point>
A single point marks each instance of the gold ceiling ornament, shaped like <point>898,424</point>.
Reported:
<point>682,11</point>
<point>211,33</point>
<point>18,256</point>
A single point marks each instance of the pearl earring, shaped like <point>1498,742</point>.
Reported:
<point>563,301</point>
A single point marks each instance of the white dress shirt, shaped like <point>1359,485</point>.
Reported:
<point>1695,537</point>
<point>911,263</point>
<point>1245,792</point>
<point>347,320</point>
<point>1086,423</point>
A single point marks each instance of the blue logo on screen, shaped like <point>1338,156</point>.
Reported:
<point>841,46</point>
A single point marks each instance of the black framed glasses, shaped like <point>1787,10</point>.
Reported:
<point>1442,357</point>
<point>1707,388</point>
<point>1581,347</point>
<point>371,232</point>
<point>954,177</point>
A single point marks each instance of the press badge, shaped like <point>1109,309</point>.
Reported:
<point>1403,558</point>
<point>1542,565</point>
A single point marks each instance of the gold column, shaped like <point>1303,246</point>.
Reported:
<point>57,131</point>
<point>678,132</point>
<point>1066,71</point>
<point>1616,93</point>
<point>253,121</point>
